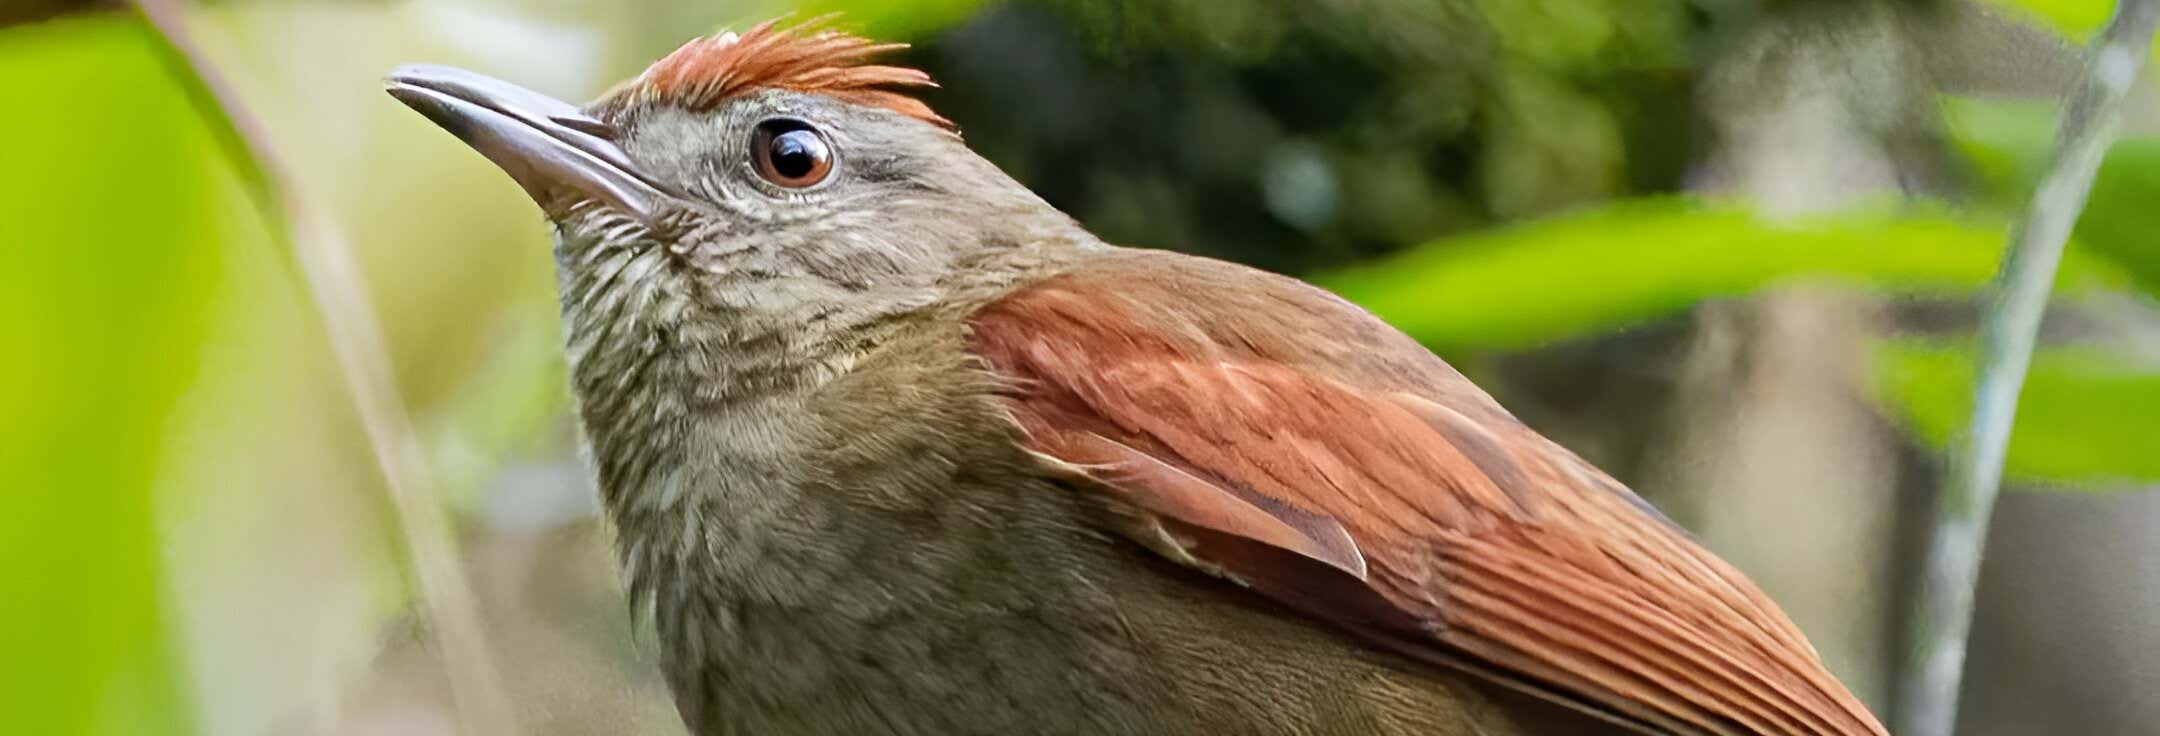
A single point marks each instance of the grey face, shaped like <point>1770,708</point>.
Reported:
<point>707,232</point>
<point>901,202</point>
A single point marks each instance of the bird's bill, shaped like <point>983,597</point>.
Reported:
<point>560,155</point>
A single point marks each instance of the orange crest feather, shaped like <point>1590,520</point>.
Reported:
<point>804,58</point>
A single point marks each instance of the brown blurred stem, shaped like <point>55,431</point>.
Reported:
<point>2010,324</point>
<point>334,282</point>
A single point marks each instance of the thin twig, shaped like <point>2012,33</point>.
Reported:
<point>2010,324</point>
<point>334,281</point>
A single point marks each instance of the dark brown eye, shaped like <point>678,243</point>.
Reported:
<point>790,153</point>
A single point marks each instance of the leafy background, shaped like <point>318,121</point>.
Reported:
<point>1726,249</point>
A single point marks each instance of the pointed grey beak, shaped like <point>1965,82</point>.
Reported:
<point>555,151</point>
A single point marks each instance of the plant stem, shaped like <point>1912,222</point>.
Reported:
<point>340,295</point>
<point>2010,324</point>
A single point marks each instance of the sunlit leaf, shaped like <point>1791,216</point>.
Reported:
<point>1623,265</point>
<point>2008,143</point>
<point>2073,18</point>
<point>2084,417</point>
<point>887,19</point>
<point>113,255</point>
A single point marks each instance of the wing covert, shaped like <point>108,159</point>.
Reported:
<point>1327,462</point>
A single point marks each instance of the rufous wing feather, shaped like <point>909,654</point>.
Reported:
<point>1297,445</point>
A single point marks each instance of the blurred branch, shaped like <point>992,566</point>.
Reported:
<point>2010,325</point>
<point>335,283</point>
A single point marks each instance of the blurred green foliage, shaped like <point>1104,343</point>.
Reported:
<point>1300,136</point>
<point>1525,285</point>
<point>2007,143</point>
<point>503,410</point>
<point>119,210</point>
<point>2085,418</point>
<point>888,18</point>
<point>1635,261</point>
<point>2073,18</point>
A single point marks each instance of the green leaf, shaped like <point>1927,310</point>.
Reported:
<point>2076,20</point>
<point>117,215</point>
<point>2008,144</point>
<point>887,19</point>
<point>2072,18</point>
<point>1626,264</point>
<point>2084,417</point>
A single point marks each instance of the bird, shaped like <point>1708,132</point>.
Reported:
<point>890,445</point>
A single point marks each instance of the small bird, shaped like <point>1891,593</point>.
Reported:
<point>892,446</point>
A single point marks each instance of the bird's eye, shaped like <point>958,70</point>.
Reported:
<point>790,153</point>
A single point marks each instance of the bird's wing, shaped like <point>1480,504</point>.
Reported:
<point>1275,435</point>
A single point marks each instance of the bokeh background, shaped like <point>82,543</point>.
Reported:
<point>1726,249</point>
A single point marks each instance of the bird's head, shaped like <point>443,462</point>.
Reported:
<point>772,171</point>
